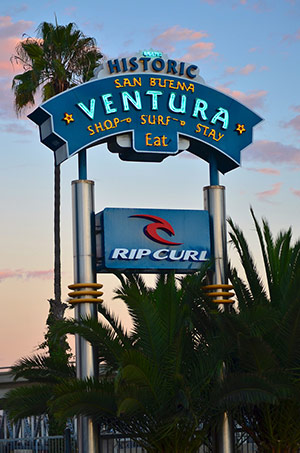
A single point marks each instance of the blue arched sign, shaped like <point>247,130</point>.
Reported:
<point>144,113</point>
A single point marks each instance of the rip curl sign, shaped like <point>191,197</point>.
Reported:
<point>152,240</point>
<point>147,108</point>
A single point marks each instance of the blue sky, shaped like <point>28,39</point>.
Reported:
<point>249,49</point>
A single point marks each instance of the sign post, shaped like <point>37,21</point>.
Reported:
<point>214,202</point>
<point>84,274</point>
<point>146,108</point>
<point>86,291</point>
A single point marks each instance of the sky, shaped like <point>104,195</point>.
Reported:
<point>248,49</point>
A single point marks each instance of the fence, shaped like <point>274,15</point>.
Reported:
<point>49,444</point>
<point>116,443</point>
<point>109,443</point>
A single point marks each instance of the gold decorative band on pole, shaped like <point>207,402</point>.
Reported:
<point>220,291</point>
<point>85,289</point>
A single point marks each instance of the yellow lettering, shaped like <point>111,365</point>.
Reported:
<point>90,128</point>
<point>143,120</point>
<point>98,127</point>
<point>107,124</point>
<point>137,81</point>
<point>163,139</point>
<point>220,136</point>
<point>152,81</point>
<point>212,134</point>
<point>160,83</point>
<point>171,84</point>
<point>205,127</point>
<point>157,141</point>
<point>160,120</point>
<point>116,122</point>
<point>117,83</point>
<point>153,119</point>
<point>148,138</point>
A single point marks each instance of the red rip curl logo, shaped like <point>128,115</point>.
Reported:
<point>158,223</point>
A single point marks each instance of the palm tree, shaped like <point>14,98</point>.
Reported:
<point>43,373</point>
<point>60,57</point>
<point>156,382</point>
<point>263,338</point>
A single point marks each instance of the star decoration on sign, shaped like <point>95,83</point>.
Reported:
<point>68,118</point>
<point>240,128</point>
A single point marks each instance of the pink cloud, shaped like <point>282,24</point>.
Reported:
<point>10,33</point>
<point>166,40</point>
<point>15,128</point>
<point>294,123</point>
<point>264,68</point>
<point>272,152</point>
<point>230,70</point>
<point>12,10</point>
<point>9,28</point>
<point>253,99</point>
<point>292,37</point>
<point>198,51</point>
<point>70,10</point>
<point>42,275</point>
<point>296,192</point>
<point>253,49</point>
<point>19,273</point>
<point>7,100</point>
<point>269,193</point>
<point>265,171</point>
<point>296,108</point>
<point>247,69</point>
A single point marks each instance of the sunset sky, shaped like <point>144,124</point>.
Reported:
<point>248,49</point>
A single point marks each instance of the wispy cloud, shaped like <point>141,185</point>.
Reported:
<point>8,28</point>
<point>20,273</point>
<point>15,128</point>
<point>245,70</point>
<point>230,70</point>
<point>10,34</point>
<point>272,152</point>
<point>296,192</point>
<point>255,5</point>
<point>13,10</point>
<point>252,99</point>
<point>265,171</point>
<point>266,194</point>
<point>70,10</point>
<point>292,37</point>
<point>198,51</point>
<point>168,40</point>
<point>294,123</point>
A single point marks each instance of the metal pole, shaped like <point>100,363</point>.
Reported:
<point>214,203</point>
<point>84,272</point>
